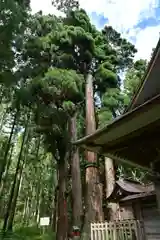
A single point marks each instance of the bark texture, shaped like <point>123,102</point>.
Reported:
<point>62,206</point>
<point>76,178</point>
<point>94,210</point>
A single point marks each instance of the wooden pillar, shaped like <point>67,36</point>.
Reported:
<point>137,210</point>
<point>156,179</point>
<point>157,190</point>
<point>114,212</point>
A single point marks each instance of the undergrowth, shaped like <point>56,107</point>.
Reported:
<point>28,233</point>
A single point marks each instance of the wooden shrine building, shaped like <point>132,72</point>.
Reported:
<point>135,201</point>
<point>125,194</point>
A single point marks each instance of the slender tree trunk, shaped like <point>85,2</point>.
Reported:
<point>2,92</point>
<point>61,225</point>
<point>2,169</point>
<point>3,119</point>
<point>32,204</point>
<point>38,207</point>
<point>38,189</point>
<point>38,195</point>
<point>5,175</point>
<point>28,213</point>
<point>15,197</point>
<point>55,210</point>
<point>25,209</point>
<point>94,210</point>
<point>76,178</point>
<point>14,181</point>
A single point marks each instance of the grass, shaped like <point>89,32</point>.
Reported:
<point>28,233</point>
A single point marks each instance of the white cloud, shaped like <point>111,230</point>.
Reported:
<point>122,15</point>
<point>44,5</point>
<point>126,14</point>
<point>147,40</point>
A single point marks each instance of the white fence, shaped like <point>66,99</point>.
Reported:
<point>118,230</point>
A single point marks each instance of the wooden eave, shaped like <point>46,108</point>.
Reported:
<point>127,190</point>
<point>145,195</point>
<point>133,188</point>
<point>132,138</point>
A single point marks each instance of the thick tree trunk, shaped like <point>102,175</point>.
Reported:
<point>94,210</point>
<point>62,211</point>
<point>76,178</point>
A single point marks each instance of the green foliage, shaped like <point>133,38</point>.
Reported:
<point>13,17</point>
<point>104,117</point>
<point>63,85</point>
<point>113,103</point>
<point>29,233</point>
<point>79,18</point>
<point>115,100</point>
<point>58,93</point>
<point>125,171</point>
<point>124,50</point>
<point>105,77</point>
<point>134,76</point>
<point>65,5</point>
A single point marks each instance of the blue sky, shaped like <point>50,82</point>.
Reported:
<point>137,20</point>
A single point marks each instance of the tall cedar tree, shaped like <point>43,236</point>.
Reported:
<point>58,62</point>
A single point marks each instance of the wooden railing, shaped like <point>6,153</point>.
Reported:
<point>118,230</point>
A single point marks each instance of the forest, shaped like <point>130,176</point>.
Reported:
<point>60,79</point>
